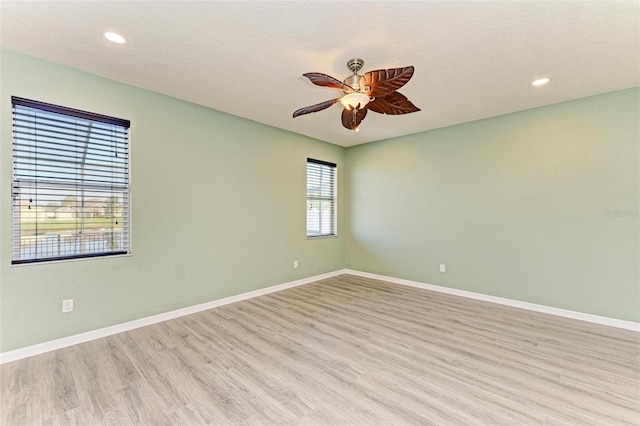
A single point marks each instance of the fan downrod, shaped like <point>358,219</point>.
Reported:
<point>355,65</point>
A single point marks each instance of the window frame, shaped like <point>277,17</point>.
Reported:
<point>333,199</point>
<point>121,145</point>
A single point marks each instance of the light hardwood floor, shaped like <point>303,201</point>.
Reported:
<point>345,350</point>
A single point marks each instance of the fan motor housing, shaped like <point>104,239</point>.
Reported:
<point>354,82</point>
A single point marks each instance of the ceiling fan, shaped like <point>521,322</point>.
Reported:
<point>374,90</point>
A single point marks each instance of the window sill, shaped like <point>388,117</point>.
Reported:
<point>79,259</point>
<point>322,237</point>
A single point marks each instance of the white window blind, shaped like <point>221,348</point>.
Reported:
<point>321,198</point>
<point>70,183</point>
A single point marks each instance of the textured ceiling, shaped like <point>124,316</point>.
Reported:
<point>472,59</point>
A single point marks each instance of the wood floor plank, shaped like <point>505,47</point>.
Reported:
<point>345,350</point>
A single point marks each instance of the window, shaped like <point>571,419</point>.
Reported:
<point>321,198</point>
<point>70,184</point>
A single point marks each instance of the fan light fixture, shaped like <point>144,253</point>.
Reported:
<point>355,100</point>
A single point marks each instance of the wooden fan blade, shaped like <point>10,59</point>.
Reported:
<point>393,104</point>
<point>324,80</point>
<point>352,119</point>
<point>383,82</point>
<point>315,108</point>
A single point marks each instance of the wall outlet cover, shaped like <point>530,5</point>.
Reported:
<point>67,306</point>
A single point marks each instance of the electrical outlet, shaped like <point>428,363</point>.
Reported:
<point>67,306</point>
<point>443,267</point>
<point>295,264</point>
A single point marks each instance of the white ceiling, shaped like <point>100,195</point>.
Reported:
<point>472,59</point>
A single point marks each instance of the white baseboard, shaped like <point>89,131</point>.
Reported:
<point>628,325</point>
<point>64,342</point>
<point>52,345</point>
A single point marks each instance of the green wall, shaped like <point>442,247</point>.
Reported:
<point>218,209</point>
<point>539,206</point>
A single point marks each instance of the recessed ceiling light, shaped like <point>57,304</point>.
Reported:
<point>114,37</point>
<point>541,81</point>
